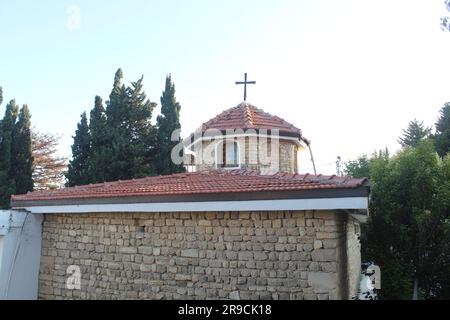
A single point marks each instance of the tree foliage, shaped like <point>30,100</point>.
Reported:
<point>121,137</point>
<point>132,141</point>
<point>358,168</point>
<point>7,183</point>
<point>415,133</point>
<point>408,231</point>
<point>21,147</point>
<point>168,122</point>
<point>49,168</point>
<point>15,152</point>
<point>77,173</point>
<point>98,164</point>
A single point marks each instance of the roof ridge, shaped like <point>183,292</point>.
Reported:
<point>248,115</point>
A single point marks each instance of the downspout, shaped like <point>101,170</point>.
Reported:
<point>308,143</point>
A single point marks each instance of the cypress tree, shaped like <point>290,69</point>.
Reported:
<point>142,132</point>
<point>100,141</point>
<point>116,110</point>
<point>7,183</point>
<point>132,136</point>
<point>118,149</point>
<point>119,141</point>
<point>167,123</point>
<point>22,153</point>
<point>78,167</point>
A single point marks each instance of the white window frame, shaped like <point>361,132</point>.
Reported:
<point>238,157</point>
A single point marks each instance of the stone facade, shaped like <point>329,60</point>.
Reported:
<point>353,256</point>
<point>253,154</point>
<point>236,255</point>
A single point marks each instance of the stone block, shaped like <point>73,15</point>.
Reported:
<point>183,277</point>
<point>244,256</point>
<point>318,244</point>
<point>276,223</point>
<point>128,250</point>
<point>322,281</point>
<point>234,295</point>
<point>189,253</point>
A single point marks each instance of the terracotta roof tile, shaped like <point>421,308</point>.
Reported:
<point>247,116</point>
<point>217,181</point>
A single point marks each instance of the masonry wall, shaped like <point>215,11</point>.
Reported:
<point>246,255</point>
<point>353,257</point>
<point>253,155</point>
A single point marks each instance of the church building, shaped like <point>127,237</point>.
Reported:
<point>246,137</point>
<point>242,223</point>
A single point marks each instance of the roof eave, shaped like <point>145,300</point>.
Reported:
<point>311,194</point>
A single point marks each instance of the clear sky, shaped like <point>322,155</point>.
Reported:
<point>349,73</point>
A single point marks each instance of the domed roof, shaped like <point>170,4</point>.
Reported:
<point>246,116</point>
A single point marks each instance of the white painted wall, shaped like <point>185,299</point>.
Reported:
<point>21,233</point>
<point>1,251</point>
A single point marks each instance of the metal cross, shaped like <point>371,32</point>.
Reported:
<point>245,85</point>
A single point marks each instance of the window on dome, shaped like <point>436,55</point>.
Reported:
<point>227,154</point>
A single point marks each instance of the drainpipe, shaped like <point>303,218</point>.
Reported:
<point>308,143</point>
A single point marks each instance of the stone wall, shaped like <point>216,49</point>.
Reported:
<point>353,257</point>
<point>245,255</point>
<point>253,154</point>
<point>288,157</point>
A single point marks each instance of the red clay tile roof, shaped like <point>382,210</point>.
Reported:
<point>218,181</point>
<point>247,116</point>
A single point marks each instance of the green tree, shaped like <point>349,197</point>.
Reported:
<point>415,132</point>
<point>99,161</point>
<point>129,112</point>
<point>77,173</point>
<point>22,153</point>
<point>407,233</point>
<point>358,168</point>
<point>7,183</point>
<point>119,141</point>
<point>143,133</point>
<point>168,123</point>
<point>442,136</point>
<point>116,110</point>
<point>1,95</point>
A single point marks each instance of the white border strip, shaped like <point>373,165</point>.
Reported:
<point>355,203</point>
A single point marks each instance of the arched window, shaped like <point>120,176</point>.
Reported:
<point>227,154</point>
